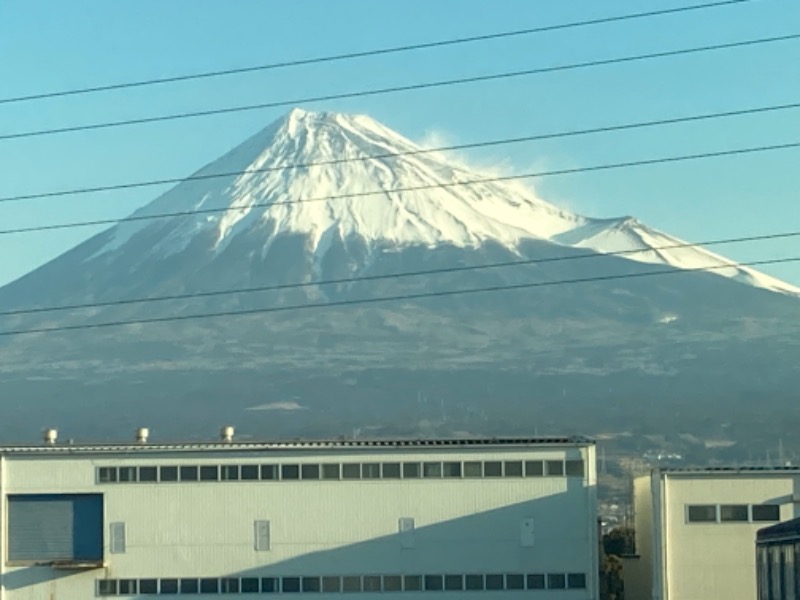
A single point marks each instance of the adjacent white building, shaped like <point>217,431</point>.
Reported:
<point>506,518</point>
<point>696,528</point>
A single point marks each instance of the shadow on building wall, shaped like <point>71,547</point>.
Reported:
<point>499,541</point>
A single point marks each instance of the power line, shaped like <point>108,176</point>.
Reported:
<point>363,54</point>
<point>395,89</point>
<point>415,152</point>
<point>400,275</point>
<point>501,178</point>
<point>403,297</point>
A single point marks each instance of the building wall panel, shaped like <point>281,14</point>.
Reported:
<point>696,560</point>
<point>193,529</point>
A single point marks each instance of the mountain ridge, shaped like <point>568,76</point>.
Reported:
<point>616,351</point>
<point>332,176</point>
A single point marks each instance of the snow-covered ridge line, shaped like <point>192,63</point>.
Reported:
<point>465,216</point>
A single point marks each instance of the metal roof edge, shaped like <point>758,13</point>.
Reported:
<point>725,470</point>
<point>397,443</point>
<point>784,531</point>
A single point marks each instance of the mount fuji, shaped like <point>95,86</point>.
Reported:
<point>326,196</point>
<point>358,183</point>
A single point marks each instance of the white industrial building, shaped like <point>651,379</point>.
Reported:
<point>507,518</point>
<point>696,529</point>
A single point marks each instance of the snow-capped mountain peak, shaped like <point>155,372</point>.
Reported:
<point>331,176</point>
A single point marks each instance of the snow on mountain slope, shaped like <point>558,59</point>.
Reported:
<point>421,203</point>
<point>317,174</point>
<point>643,244</point>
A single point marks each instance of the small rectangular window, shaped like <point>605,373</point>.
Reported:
<point>526,532</point>
<point>576,581</point>
<point>492,468</point>
<point>189,473</point>
<point>473,582</point>
<point>209,473</point>
<point>766,512</point>
<point>229,585</point>
<point>269,472</point>
<point>556,581</point>
<point>391,470</point>
<point>269,585</point>
<point>127,474</point>
<point>250,585</point>
<point>290,585</point>
<point>453,582</point>
<point>405,526</point>
<point>555,467</point>
<point>733,512</point>
<point>128,587</point>
<point>371,471</point>
<point>311,584</point>
<point>451,469</point>
<point>249,472</point>
<point>513,468</point>
<point>148,586</point>
<point>535,581</point>
<point>209,586</point>
<point>411,470</point>
<point>494,582</point>
<point>432,470</point>
<point>116,533</point>
<point>351,471</point>
<point>189,586</point>
<point>412,583</point>
<point>309,471</point>
<point>331,471</point>
<point>107,587</point>
<point>148,474</point>
<point>351,583</point>
<point>168,586</point>
<point>372,583</point>
<point>434,583</point>
<point>473,468</point>
<point>515,581</point>
<point>534,468</point>
<point>230,472</point>
<point>392,583</point>
<point>702,513</point>
<point>261,531</point>
<point>573,468</point>
<point>168,473</point>
<point>331,584</point>
<point>290,472</point>
<point>106,475</point>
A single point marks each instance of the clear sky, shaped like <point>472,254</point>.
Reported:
<point>52,45</point>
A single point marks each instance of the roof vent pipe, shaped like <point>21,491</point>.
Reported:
<point>50,436</point>
<point>226,434</point>
<point>142,434</point>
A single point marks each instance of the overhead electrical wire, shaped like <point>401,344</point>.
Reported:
<point>494,179</point>
<point>400,275</point>
<point>396,89</point>
<point>364,53</point>
<point>381,299</point>
<point>415,152</point>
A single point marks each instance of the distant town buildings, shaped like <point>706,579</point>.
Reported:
<point>507,518</point>
<point>696,530</point>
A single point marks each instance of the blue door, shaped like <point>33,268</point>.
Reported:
<point>55,527</point>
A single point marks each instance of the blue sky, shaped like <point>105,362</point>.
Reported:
<point>52,45</point>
